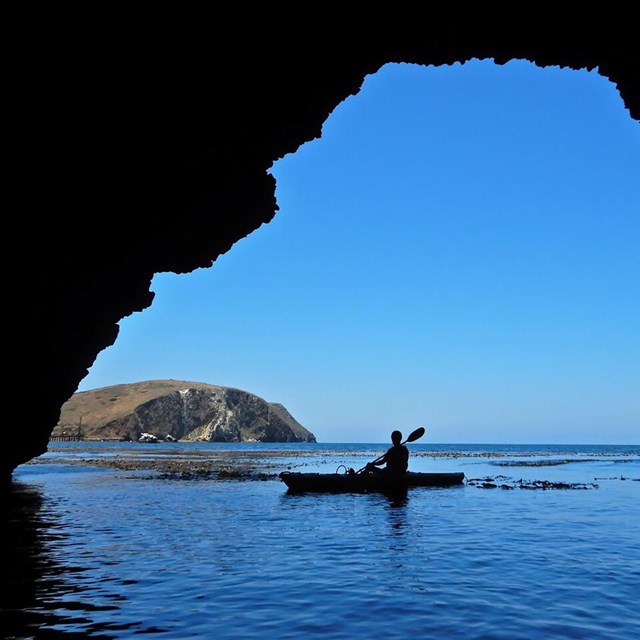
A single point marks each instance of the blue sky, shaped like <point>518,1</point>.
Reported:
<point>459,250</point>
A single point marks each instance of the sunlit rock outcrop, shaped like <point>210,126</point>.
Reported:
<point>185,411</point>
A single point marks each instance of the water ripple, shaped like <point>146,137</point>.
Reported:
<point>105,555</point>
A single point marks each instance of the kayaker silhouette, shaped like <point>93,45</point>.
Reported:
<point>396,459</point>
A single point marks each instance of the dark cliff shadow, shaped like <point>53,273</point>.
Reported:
<point>33,582</point>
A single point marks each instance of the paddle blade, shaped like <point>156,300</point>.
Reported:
<point>414,435</point>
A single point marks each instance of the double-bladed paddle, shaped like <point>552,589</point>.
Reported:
<point>413,436</point>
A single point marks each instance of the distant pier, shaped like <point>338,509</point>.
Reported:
<point>66,437</point>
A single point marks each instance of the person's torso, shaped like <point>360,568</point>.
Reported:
<point>397,459</point>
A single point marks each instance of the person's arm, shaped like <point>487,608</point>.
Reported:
<point>378,462</point>
<point>384,459</point>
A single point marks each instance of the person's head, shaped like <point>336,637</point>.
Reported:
<point>396,437</point>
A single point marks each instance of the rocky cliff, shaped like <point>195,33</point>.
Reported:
<point>154,155</point>
<point>172,409</point>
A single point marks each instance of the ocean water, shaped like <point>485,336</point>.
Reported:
<point>540,542</point>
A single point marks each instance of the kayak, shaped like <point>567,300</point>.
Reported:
<point>298,482</point>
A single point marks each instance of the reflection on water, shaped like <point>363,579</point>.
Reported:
<point>103,553</point>
<point>34,538</point>
<point>398,498</point>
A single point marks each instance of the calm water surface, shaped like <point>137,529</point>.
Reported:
<point>105,553</point>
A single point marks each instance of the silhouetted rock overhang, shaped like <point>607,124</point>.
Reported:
<point>138,155</point>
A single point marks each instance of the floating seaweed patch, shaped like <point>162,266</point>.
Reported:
<point>502,482</point>
<point>534,463</point>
